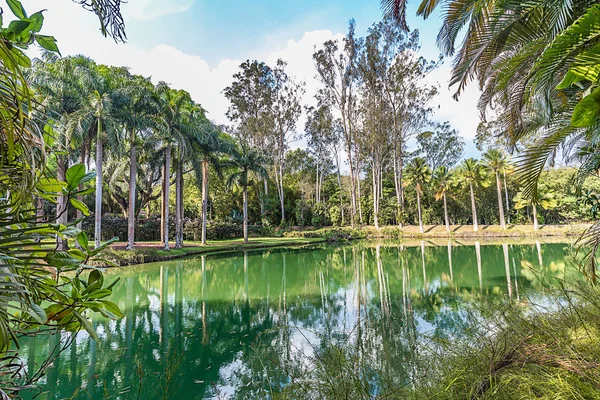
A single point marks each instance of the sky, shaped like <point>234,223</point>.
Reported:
<point>197,45</point>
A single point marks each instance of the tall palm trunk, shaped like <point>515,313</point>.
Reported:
<point>167,184</point>
<point>98,210</point>
<point>61,204</point>
<point>204,197</point>
<point>179,202</point>
<point>506,194</point>
<point>245,213</point>
<point>78,213</point>
<point>535,219</point>
<point>132,190</point>
<point>446,213</point>
<point>473,209</point>
<point>419,210</point>
<point>500,206</point>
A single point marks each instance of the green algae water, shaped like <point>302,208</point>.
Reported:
<point>223,326</point>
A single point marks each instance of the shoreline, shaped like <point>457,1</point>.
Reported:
<point>149,252</point>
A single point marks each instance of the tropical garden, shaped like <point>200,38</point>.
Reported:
<point>93,154</point>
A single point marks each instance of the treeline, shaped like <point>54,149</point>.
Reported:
<point>155,151</point>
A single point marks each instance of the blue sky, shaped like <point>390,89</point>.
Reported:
<point>197,45</point>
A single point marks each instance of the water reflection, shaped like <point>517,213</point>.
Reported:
<point>227,325</point>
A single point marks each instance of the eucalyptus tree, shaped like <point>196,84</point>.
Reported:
<point>244,161</point>
<point>336,65</point>
<point>375,116</point>
<point>442,182</point>
<point>472,174</point>
<point>419,174</point>
<point>496,162</point>
<point>251,98</point>
<point>402,75</point>
<point>286,109</point>
<point>441,146</point>
<point>321,135</point>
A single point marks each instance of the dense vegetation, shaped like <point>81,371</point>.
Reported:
<point>162,166</point>
<point>155,152</point>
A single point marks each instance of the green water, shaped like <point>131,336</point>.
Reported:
<point>216,326</point>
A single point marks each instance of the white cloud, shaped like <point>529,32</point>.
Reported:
<point>151,9</point>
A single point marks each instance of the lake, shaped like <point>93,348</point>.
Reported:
<point>226,326</point>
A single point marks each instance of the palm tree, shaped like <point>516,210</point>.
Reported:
<point>418,173</point>
<point>61,86</point>
<point>472,174</point>
<point>442,178</point>
<point>545,199</point>
<point>209,145</point>
<point>496,162</point>
<point>136,117</point>
<point>98,118</point>
<point>174,126</point>
<point>245,160</point>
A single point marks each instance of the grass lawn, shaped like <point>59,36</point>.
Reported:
<point>153,251</point>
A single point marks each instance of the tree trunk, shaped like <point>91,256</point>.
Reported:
<point>167,184</point>
<point>179,202</point>
<point>317,200</point>
<point>78,213</point>
<point>132,193</point>
<point>245,200</point>
<point>61,203</point>
<point>339,179</point>
<point>204,197</point>
<point>98,210</point>
<point>419,211</point>
<point>281,194</point>
<point>535,220</point>
<point>446,220</point>
<point>506,194</point>
<point>473,209</point>
<point>500,206</point>
<point>375,199</point>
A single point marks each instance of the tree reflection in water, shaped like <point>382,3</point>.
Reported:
<point>243,325</point>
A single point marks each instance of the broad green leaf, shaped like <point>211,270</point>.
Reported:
<point>20,58</point>
<point>113,284</point>
<point>569,79</point>
<point>19,26</point>
<point>86,325</point>
<point>587,111</point>
<point>113,308</point>
<point>80,205</point>
<point>83,240</point>
<point>99,294</point>
<point>74,175</point>
<point>38,313</point>
<point>76,253</point>
<point>17,8</point>
<point>47,42</point>
<point>95,275</point>
<point>50,185</point>
<point>37,20</point>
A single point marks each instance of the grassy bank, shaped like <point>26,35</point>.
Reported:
<point>147,252</point>
<point>439,231</point>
